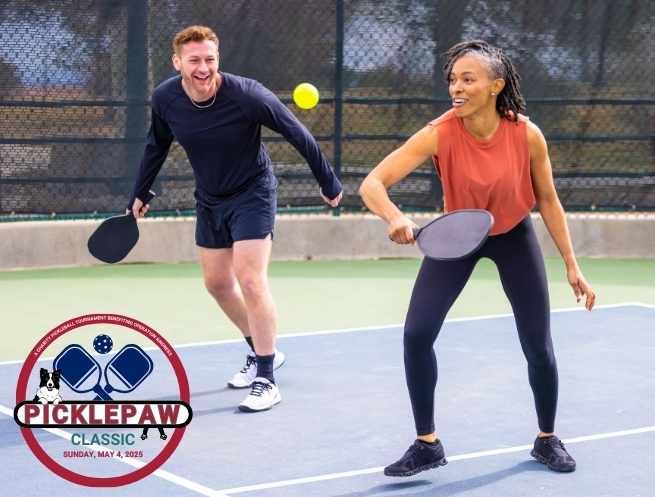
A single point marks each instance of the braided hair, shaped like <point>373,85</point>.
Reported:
<point>510,101</point>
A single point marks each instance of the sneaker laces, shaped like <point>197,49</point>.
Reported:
<point>555,443</point>
<point>558,447</point>
<point>259,388</point>
<point>250,360</point>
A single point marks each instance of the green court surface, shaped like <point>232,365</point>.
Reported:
<point>310,295</point>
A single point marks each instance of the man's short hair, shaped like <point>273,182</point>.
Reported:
<point>193,33</point>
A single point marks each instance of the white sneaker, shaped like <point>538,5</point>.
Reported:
<point>279,359</point>
<point>262,396</point>
<point>245,377</point>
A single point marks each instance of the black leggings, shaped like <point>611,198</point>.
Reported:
<point>520,264</point>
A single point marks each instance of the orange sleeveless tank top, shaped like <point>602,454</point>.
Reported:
<point>492,175</point>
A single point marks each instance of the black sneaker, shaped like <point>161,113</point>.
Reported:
<point>551,452</point>
<point>419,457</point>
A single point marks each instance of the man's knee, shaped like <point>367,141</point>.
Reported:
<point>220,287</point>
<point>253,285</point>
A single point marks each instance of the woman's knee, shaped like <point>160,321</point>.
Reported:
<point>417,337</point>
<point>541,358</point>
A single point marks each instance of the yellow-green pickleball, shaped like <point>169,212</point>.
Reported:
<point>305,95</point>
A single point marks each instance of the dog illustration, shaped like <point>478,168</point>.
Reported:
<point>48,391</point>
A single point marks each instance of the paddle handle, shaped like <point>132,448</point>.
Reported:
<point>416,232</point>
<point>100,394</point>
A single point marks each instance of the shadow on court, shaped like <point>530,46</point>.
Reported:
<point>427,488</point>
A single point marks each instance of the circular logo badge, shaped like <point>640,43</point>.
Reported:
<point>103,386</point>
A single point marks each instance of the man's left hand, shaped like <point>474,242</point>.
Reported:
<point>334,202</point>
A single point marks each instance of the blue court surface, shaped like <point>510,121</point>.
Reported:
<point>345,414</point>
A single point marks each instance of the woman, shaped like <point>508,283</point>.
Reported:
<point>489,156</point>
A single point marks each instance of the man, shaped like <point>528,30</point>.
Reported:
<point>217,117</point>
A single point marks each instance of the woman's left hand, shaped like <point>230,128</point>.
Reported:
<point>581,287</point>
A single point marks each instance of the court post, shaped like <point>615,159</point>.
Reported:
<point>338,95</point>
<point>136,85</point>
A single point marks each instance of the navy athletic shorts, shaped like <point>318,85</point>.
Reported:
<point>247,215</point>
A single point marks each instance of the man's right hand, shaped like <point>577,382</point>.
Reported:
<point>138,208</point>
<point>401,230</point>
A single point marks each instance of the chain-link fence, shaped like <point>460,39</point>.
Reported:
<point>76,76</point>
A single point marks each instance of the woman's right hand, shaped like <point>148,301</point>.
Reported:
<point>401,230</point>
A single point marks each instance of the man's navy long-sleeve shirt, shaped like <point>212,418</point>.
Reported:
<point>223,141</point>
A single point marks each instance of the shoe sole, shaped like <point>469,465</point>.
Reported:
<point>243,408</point>
<point>543,460</point>
<point>433,465</point>
<point>235,387</point>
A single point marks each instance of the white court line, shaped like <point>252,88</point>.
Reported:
<point>178,480</point>
<point>363,328</point>
<point>460,457</point>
